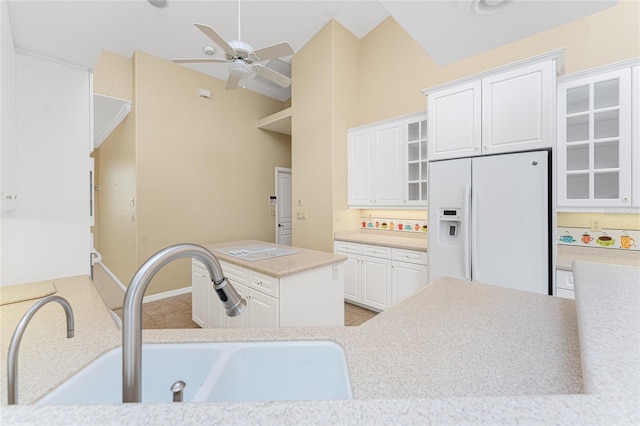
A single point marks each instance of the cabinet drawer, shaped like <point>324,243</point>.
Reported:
<point>411,256</point>
<point>377,251</point>
<point>565,294</point>
<point>233,273</point>
<point>564,279</point>
<point>346,247</point>
<point>264,284</point>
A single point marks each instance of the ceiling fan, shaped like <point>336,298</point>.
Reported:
<point>243,61</point>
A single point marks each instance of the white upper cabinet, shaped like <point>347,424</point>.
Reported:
<point>360,167</point>
<point>506,110</point>
<point>387,166</point>
<point>375,165</point>
<point>388,163</point>
<point>415,160</point>
<point>455,121</point>
<point>517,109</point>
<point>598,152</point>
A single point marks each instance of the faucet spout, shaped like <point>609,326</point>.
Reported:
<point>14,346</point>
<point>132,308</point>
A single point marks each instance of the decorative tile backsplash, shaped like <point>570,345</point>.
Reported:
<point>399,225</point>
<point>605,238</point>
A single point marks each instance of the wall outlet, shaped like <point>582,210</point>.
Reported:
<point>595,225</point>
<point>301,215</point>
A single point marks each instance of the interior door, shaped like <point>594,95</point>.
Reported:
<point>284,225</point>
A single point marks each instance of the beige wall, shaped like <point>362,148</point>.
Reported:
<point>394,68</point>
<point>346,112</point>
<point>203,172</point>
<point>311,134</point>
<point>113,76</point>
<point>115,164</point>
<point>325,104</point>
<point>115,215</point>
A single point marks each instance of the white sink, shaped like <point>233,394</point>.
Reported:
<point>162,365</point>
<point>279,371</point>
<point>247,371</point>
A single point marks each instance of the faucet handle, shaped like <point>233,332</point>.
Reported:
<point>177,389</point>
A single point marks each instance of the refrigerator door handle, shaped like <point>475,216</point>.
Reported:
<point>466,247</point>
<point>474,236</point>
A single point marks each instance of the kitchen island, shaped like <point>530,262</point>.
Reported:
<point>456,352</point>
<point>284,286</point>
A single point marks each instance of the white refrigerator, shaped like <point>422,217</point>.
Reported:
<point>490,220</point>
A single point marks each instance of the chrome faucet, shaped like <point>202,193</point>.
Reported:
<point>132,309</point>
<point>14,346</point>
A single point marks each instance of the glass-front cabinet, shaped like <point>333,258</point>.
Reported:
<point>594,140</point>
<point>416,172</point>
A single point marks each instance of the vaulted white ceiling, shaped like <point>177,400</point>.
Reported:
<point>448,30</point>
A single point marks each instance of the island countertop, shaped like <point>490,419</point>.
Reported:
<point>456,352</point>
<point>303,260</point>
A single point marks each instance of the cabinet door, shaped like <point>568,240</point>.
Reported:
<point>635,135</point>
<point>376,282</point>
<point>387,167</point>
<point>594,141</point>
<point>264,310</point>
<point>406,280</point>
<point>199,302</point>
<point>455,121</point>
<point>415,164</point>
<point>360,164</point>
<point>352,287</point>
<point>517,109</point>
<point>242,320</point>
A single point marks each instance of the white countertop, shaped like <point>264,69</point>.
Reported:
<point>456,352</point>
<point>385,238</point>
<point>303,260</point>
<point>566,255</point>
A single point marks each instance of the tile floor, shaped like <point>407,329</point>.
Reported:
<point>175,312</point>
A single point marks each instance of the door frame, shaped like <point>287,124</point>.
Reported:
<point>280,170</point>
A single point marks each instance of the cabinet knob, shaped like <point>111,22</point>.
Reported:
<point>476,148</point>
<point>625,198</point>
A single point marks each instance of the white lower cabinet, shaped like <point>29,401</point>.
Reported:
<point>312,298</point>
<point>378,277</point>
<point>376,282</point>
<point>406,280</point>
<point>564,284</point>
<point>199,301</point>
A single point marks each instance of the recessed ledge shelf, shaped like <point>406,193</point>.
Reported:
<point>279,122</point>
<point>108,113</point>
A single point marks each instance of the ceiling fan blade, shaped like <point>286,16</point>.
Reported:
<point>215,37</point>
<point>199,60</point>
<point>275,76</point>
<point>275,51</point>
<point>232,82</point>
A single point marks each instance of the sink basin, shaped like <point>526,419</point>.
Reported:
<point>279,371</point>
<point>162,365</point>
<point>246,371</point>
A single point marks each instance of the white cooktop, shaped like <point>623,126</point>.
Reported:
<point>254,252</point>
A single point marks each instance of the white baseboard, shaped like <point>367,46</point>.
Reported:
<point>166,294</point>
<point>113,276</point>
<point>153,297</point>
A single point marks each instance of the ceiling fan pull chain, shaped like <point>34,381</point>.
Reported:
<point>239,39</point>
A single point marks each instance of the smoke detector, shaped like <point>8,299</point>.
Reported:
<point>209,50</point>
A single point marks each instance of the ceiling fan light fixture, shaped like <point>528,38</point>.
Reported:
<point>160,4</point>
<point>487,7</point>
<point>239,69</point>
